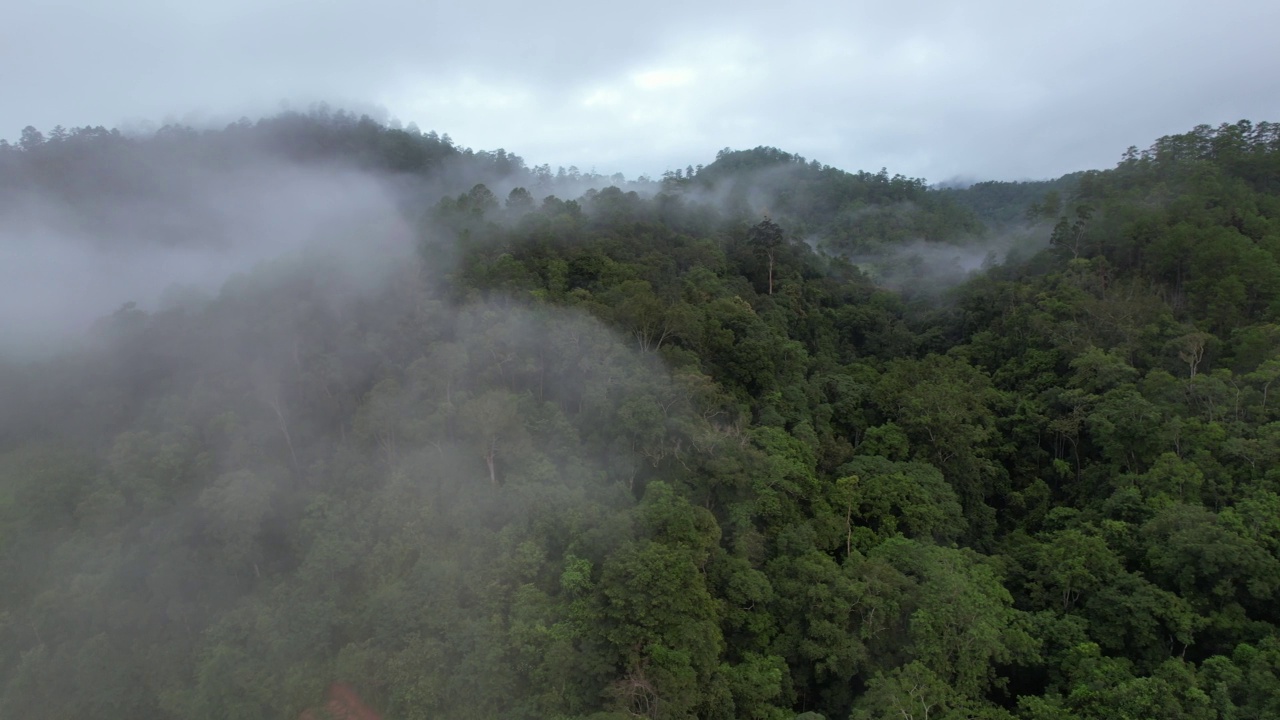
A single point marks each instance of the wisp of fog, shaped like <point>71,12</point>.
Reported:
<point>63,264</point>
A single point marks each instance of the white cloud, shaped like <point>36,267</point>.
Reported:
<point>662,79</point>
<point>990,88</point>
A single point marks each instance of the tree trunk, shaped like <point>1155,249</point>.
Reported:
<point>489,458</point>
<point>284,428</point>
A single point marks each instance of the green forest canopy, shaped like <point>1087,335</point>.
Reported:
<point>705,446</point>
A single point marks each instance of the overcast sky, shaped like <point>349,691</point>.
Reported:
<point>979,89</point>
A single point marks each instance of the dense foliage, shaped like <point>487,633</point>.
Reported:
<point>652,452</point>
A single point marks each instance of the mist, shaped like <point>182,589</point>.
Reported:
<point>62,264</point>
<point>93,220</point>
<point>923,268</point>
<point>315,413</point>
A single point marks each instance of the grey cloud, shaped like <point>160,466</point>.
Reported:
<point>989,89</point>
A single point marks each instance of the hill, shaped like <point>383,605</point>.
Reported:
<point>469,439</point>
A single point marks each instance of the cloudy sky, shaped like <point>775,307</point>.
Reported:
<point>979,89</point>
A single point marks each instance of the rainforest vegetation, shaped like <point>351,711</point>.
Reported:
<point>757,439</point>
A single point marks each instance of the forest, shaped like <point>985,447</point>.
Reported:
<point>394,428</point>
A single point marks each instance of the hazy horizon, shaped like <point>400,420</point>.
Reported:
<point>994,90</point>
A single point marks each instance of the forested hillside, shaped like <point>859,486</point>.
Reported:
<point>758,439</point>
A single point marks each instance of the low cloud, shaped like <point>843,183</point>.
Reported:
<point>63,264</point>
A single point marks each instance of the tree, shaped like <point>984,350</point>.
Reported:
<point>963,622</point>
<point>519,201</point>
<point>492,422</point>
<point>31,139</point>
<point>766,239</point>
<point>1071,564</point>
<point>914,692</point>
<point>894,497</point>
<point>660,620</point>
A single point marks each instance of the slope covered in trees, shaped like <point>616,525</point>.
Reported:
<point>569,449</point>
